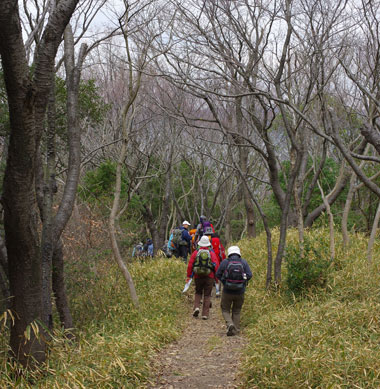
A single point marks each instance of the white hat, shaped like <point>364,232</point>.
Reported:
<point>233,250</point>
<point>204,241</point>
<point>186,222</point>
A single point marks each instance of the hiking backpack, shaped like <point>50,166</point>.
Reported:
<point>202,264</point>
<point>207,228</point>
<point>234,276</point>
<point>177,238</point>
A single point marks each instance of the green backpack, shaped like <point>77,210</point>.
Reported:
<point>202,264</point>
<point>177,238</point>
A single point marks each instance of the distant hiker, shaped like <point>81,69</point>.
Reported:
<point>148,247</point>
<point>203,264</point>
<point>234,273</point>
<point>138,250</point>
<point>180,241</point>
<point>203,228</point>
<point>221,255</point>
<point>218,247</point>
<point>193,246</point>
<point>171,245</point>
<point>165,249</point>
<point>184,248</point>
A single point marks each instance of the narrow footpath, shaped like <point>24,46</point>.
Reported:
<point>204,357</point>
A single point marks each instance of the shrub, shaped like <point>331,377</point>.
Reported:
<point>307,271</point>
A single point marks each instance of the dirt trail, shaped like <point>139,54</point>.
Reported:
<point>204,357</point>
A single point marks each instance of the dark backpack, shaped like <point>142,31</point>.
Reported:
<point>234,276</point>
<point>203,264</point>
<point>207,228</point>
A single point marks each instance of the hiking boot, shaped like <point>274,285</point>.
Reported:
<point>196,312</point>
<point>204,317</point>
<point>231,330</point>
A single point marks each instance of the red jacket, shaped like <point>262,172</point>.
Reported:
<point>214,259</point>
<point>218,248</point>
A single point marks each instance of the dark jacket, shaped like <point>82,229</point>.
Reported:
<point>223,267</point>
<point>185,235</point>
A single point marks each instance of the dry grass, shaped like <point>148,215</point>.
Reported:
<point>328,340</point>
<point>115,341</point>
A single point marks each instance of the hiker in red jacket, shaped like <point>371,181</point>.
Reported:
<point>221,254</point>
<point>203,264</point>
<point>218,247</point>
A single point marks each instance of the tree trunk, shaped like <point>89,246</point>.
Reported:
<point>373,234</point>
<point>48,186</point>
<point>346,211</point>
<point>3,257</point>
<point>4,274</point>
<point>22,240</point>
<point>59,288</point>
<point>27,101</point>
<point>347,206</point>
<point>25,273</point>
<point>112,228</point>
<point>331,223</point>
<point>300,226</point>
<point>115,210</point>
<point>340,184</point>
<point>161,233</point>
<point>243,159</point>
<point>149,221</point>
<point>4,289</point>
<point>227,226</point>
<point>372,136</point>
<point>284,216</point>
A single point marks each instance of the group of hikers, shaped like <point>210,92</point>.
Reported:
<point>183,241</point>
<point>209,266</point>
<point>143,250</point>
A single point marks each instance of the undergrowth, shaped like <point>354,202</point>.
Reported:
<point>115,341</point>
<point>326,337</point>
<point>329,338</point>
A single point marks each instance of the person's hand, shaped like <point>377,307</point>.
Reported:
<point>188,279</point>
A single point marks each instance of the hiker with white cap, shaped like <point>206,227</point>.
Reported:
<point>184,246</point>
<point>203,264</point>
<point>234,272</point>
<point>180,241</point>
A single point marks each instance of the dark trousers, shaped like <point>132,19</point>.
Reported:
<point>231,305</point>
<point>183,251</point>
<point>203,287</point>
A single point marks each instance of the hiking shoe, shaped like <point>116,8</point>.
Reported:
<point>196,312</point>
<point>231,330</point>
<point>204,317</point>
